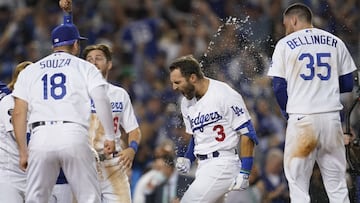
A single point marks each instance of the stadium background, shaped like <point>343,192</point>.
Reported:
<point>233,39</point>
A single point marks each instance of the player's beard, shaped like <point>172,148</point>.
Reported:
<point>189,91</point>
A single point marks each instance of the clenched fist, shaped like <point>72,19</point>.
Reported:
<point>66,5</point>
<point>183,164</point>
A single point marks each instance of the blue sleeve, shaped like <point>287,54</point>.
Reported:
<point>190,150</point>
<point>4,90</point>
<point>280,92</point>
<point>250,131</point>
<point>346,83</point>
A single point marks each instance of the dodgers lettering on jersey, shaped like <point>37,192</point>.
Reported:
<point>202,120</point>
<point>116,106</point>
<point>310,40</point>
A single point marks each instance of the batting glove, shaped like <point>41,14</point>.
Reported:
<point>183,164</point>
<point>241,182</point>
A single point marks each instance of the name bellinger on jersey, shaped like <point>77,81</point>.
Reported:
<point>310,40</point>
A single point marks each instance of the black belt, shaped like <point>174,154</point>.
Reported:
<point>212,155</point>
<point>206,156</point>
<point>40,123</point>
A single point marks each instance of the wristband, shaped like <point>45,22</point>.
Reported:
<point>134,145</point>
<point>246,164</point>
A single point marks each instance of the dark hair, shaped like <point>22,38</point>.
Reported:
<point>187,65</point>
<point>300,10</point>
<point>102,47</point>
<point>168,160</point>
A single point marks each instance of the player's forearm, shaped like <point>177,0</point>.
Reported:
<point>19,119</point>
<point>134,139</point>
<point>246,154</point>
<point>247,147</point>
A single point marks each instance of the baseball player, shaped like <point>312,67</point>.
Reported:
<point>114,181</point>
<point>216,116</point>
<point>8,148</point>
<point>310,68</point>
<point>55,93</point>
<point>12,179</point>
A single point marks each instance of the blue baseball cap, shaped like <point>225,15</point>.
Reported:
<point>65,34</point>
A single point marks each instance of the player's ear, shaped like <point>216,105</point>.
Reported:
<point>76,48</point>
<point>294,21</point>
<point>109,65</point>
<point>192,78</point>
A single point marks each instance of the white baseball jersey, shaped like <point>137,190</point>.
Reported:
<point>10,171</point>
<point>213,119</point>
<point>311,60</point>
<point>123,115</point>
<point>54,92</point>
<point>114,182</point>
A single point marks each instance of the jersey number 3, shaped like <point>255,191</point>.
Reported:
<point>56,84</point>
<point>319,62</point>
<point>219,129</point>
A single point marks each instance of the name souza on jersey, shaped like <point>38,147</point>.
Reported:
<point>55,63</point>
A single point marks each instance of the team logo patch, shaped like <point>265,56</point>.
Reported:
<point>238,111</point>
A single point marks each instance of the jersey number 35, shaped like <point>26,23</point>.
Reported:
<point>316,61</point>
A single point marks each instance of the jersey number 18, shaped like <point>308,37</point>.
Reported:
<point>56,84</point>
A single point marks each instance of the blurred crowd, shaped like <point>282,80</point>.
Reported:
<point>233,39</point>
